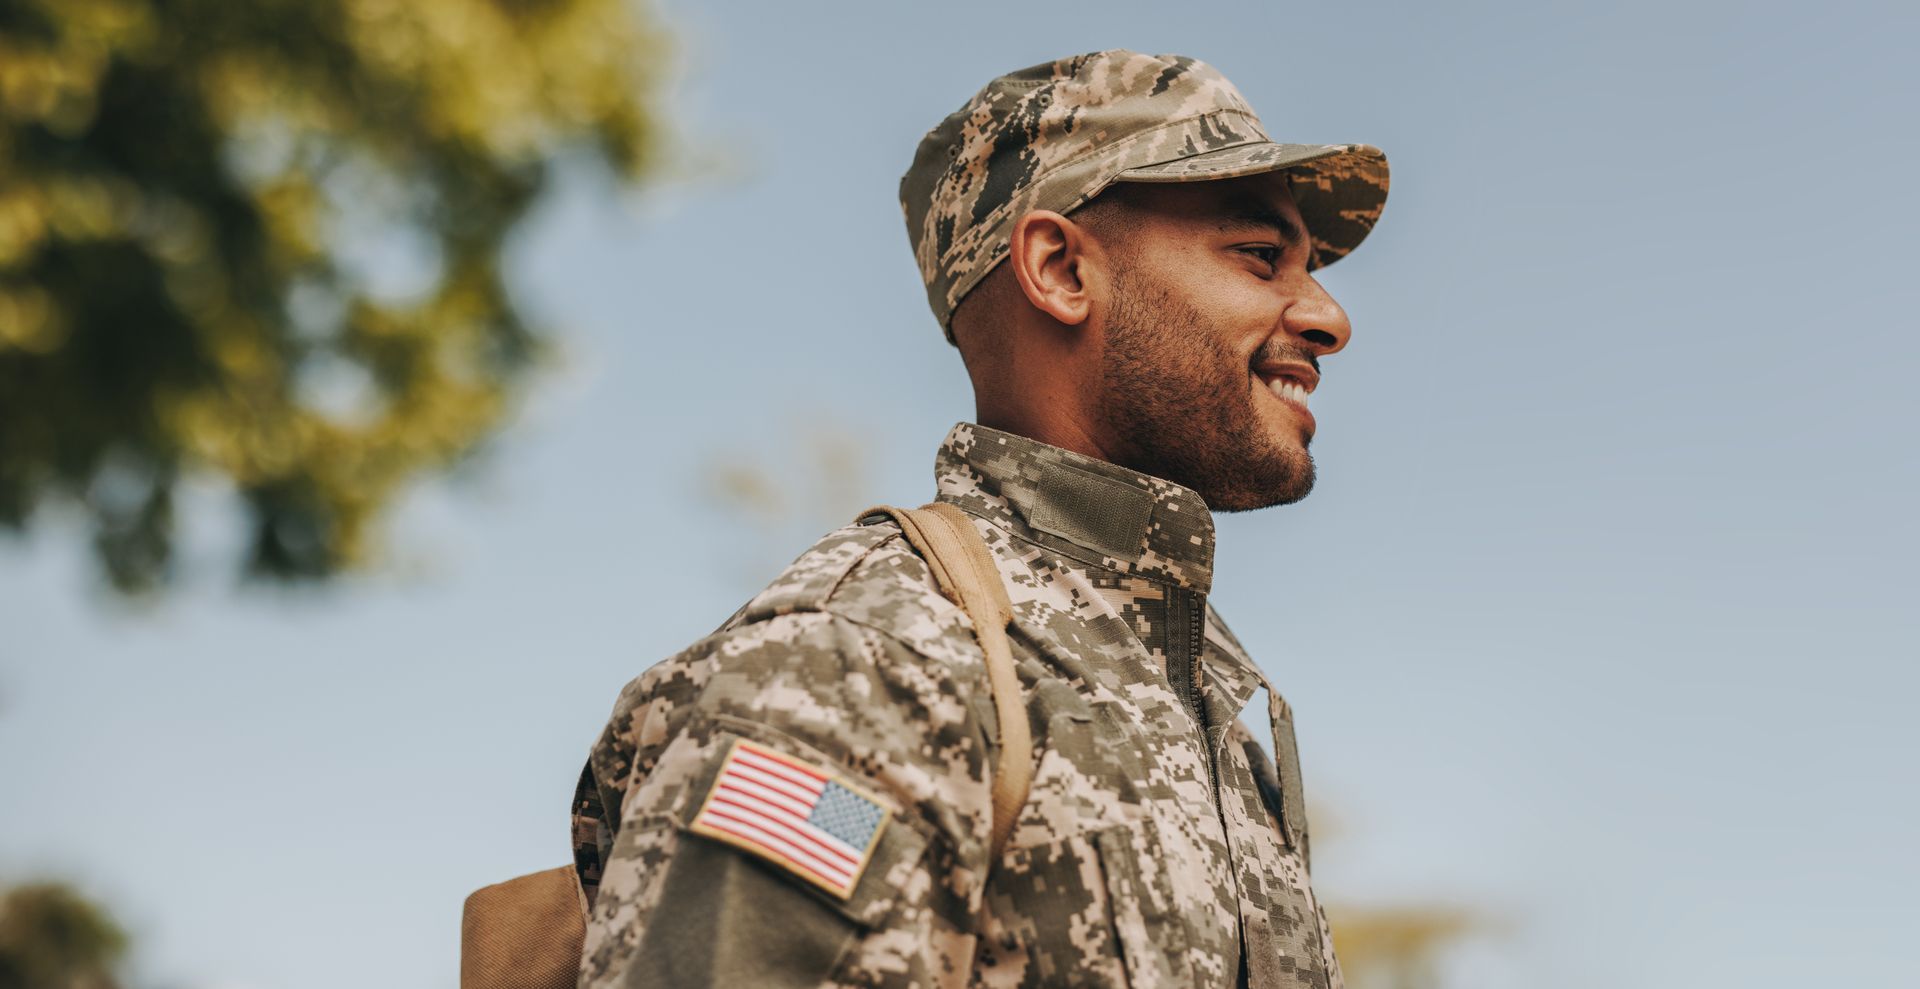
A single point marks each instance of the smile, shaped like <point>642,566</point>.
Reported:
<point>1290,381</point>
<point>1289,390</point>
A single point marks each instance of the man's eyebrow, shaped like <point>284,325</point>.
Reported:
<point>1256,216</point>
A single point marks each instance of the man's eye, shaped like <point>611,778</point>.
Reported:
<point>1267,254</point>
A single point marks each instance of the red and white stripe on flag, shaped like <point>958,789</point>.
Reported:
<point>803,818</point>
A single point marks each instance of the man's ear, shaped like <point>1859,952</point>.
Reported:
<point>1048,254</point>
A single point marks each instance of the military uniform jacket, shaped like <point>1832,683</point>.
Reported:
<point>1159,845</point>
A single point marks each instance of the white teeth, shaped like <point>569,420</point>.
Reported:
<point>1288,390</point>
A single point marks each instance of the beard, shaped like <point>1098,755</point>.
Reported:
<point>1182,404</point>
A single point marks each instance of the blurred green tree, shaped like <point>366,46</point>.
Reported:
<point>53,938</point>
<point>1398,947</point>
<point>1393,944</point>
<point>260,241</point>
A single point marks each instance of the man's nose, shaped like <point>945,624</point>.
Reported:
<point>1314,317</point>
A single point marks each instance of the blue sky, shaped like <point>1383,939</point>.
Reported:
<point>1601,620</point>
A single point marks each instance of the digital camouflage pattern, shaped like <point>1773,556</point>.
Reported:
<point>1054,135</point>
<point>1157,837</point>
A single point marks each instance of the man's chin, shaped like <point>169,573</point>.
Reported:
<point>1282,483</point>
<point>1272,499</point>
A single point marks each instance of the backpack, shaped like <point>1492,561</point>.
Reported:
<point>528,932</point>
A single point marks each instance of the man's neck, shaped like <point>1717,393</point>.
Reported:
<point>1060,425</point>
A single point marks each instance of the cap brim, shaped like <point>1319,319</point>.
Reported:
<point>1339,188</point>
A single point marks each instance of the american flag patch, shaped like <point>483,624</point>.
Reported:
<point>800,817</point>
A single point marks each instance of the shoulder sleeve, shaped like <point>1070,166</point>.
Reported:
<point>867,772</point>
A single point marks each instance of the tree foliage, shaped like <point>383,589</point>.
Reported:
<point>1398,947</point>
<point>261,241</point>
<point>53,938</point>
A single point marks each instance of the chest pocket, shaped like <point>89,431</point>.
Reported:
<point>1092,909</point>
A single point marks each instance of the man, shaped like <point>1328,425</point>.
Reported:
<point>1124,261</point>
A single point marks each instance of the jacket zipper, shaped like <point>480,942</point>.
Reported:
<point>1194,607</point>
<point>1187,684</point>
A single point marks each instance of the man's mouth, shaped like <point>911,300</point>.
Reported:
<point>1289,382</point>
<point>1288,390</point>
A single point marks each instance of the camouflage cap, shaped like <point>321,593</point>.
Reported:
<point>1055,135</point>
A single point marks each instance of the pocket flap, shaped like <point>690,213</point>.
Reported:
<point>1153,935</point>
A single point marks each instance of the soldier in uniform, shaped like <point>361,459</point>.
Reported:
<point>1123,258</point>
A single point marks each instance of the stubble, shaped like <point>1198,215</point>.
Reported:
<point>1182,404</point>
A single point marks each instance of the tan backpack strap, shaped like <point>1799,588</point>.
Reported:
<point>963,566</point>
<point>525,933</point>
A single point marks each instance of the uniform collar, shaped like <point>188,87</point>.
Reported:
<point>1092,510</point>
